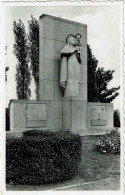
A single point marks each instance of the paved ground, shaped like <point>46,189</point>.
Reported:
<point>106,184</point>
<point>110,184</point>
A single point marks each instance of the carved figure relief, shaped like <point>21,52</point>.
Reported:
<point>98,115</point>
<point>70,66</point>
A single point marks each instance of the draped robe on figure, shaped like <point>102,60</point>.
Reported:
<point>70,71</point>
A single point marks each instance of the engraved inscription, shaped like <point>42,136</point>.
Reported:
<point>36,112</point>
<point>98,115</point>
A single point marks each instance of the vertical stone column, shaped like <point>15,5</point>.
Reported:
<point>53,33</point>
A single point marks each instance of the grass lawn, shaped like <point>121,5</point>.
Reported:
<point>93,167</point>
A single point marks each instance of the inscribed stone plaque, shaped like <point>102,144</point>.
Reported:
<point>36,112</point>
<point>98,116</point>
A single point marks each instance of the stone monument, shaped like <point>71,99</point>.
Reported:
<point>62,101</point>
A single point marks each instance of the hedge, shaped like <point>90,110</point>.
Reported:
<point>42,159</point>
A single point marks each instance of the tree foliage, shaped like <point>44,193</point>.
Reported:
<point>116,118</point>
<point>33,38</point>
<point>98,80</point>
<point>23,78</point>
<point>92,85</point>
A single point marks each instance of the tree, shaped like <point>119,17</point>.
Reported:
<point>33,38</point>
<point>116,118</point>
<point>102,79</point>
<point>98,80</point>
<point>23,77</point>
<point>92,85</point>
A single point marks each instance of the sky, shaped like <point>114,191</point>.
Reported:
<point>103,23</point>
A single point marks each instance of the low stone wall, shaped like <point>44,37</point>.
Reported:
<point>76,116</point>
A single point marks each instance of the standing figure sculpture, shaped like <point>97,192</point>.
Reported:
<point>70,66</point>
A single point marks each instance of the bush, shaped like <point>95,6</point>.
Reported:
<point>116,118</point>
<point>42,133</point>
<point>7,119</point>
<point>42,159</point>
<point>109,143</point>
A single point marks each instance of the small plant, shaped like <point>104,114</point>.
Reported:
<point>109,143</point>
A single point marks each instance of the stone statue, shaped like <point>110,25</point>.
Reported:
<point>70,66</point>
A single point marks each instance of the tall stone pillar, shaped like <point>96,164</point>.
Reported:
<point>53,33</point>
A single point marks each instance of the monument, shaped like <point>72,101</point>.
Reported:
<point>62,101</point>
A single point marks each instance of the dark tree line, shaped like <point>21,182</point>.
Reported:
<point>23,77</point>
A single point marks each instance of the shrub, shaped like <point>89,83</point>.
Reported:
<point>116,118</point>
<point>42,159</point>
<point>42,133</point>
<point>109,143</point>
<point>7,119</point>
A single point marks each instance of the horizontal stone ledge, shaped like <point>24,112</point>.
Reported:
<point>55,40</point>
<point>62,20</point>
<point>30,101</point>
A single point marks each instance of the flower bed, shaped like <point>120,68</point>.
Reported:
<point>109,143</point>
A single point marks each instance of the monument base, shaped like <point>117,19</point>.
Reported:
<point>68,115</point>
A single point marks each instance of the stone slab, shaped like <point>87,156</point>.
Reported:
<point>45,24</point>
<point>55,115</point>
<point>46,90</point>
<point>36,112</point>
<point>47,70</point>
<point>35,124</point>
<point>103,119</point>
<point>45,115</point>
<point>74,115</point>
<point>61,30</point>
<point>98,122</point>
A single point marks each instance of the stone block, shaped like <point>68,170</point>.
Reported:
<point>78,115</point>
<point>57,66</point>
<point>83,31</point>
<point>67,115</point>
<point>17,116</point>
<point>98,122</point>
<point>109,116</point>
<point>47,72</point>
<point>74,115</point>
<point>73,29</point>
<point>55,115</point>
<point>99,118</point>
<point>46,23</point>
<point>84,54</point>
<point>28,114</point>
<point>83,92</point>
<point>41,49</point>
<point>58,93</point>
<point>83,72</point>
<point>48,49</point>
<point>36,112</point>
<point>35,124</point>
<point>61,30</point>
<point>58,46</point>
<point>46,90</point>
